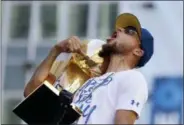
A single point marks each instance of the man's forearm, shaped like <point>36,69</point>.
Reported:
<point>126,117</point>
<point>42,72</point>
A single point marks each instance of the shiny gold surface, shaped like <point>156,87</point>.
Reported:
<point>76,74</point>
<point>77,69</point>
<point>76,109</point>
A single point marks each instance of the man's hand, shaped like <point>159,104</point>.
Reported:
<point>70,45</point>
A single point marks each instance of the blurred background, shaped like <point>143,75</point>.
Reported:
<point>31,28</point>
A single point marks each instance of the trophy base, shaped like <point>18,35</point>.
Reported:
<point>70,112</point>
<point>44,106</point>
<point>69,116</point>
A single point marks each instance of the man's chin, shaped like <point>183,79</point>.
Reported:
<point>103,54</point>
<point>106,51</point>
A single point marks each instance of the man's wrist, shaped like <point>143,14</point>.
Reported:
<point>55,51</point>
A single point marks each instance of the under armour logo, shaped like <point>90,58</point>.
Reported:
<point>136,103</point>
<point>132,102</point>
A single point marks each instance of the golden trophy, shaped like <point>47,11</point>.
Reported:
<point>50,103</point>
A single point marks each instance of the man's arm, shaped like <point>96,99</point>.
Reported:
<point>125,117</point>
<point>42,72</point>
<point>131,97</point>
<point>71,44</point>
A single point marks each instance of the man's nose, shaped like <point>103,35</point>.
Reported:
<point>119,29</point>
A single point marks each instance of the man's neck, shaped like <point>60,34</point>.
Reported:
<point>118,63</point>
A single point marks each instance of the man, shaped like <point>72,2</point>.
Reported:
<point>117,96</point>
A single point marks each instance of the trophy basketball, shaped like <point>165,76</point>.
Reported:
<point>51,102</point>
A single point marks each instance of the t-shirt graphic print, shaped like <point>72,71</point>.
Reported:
<point>83,96</point>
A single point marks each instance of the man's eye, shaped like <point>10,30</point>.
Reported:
<point>130,32</point>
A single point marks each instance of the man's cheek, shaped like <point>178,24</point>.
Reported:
<point>119,47</point>
<point>113,43</point>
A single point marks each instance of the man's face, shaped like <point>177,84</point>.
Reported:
<point>122,41</point>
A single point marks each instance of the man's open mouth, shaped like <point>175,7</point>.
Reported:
<point>113,36</point>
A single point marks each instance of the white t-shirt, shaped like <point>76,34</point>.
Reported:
<point>100,97</point>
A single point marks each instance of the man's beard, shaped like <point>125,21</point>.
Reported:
<point>107,50</point>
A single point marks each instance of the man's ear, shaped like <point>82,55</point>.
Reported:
<point>138,52</point>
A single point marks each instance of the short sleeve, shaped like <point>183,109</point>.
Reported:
<point>132,93</point>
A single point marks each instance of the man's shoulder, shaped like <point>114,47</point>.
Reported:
<point>132,77</point>
<point>133,73</point>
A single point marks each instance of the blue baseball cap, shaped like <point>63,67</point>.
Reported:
<point>127,19</point>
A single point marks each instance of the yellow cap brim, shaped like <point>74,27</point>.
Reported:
<point>128,19</point>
